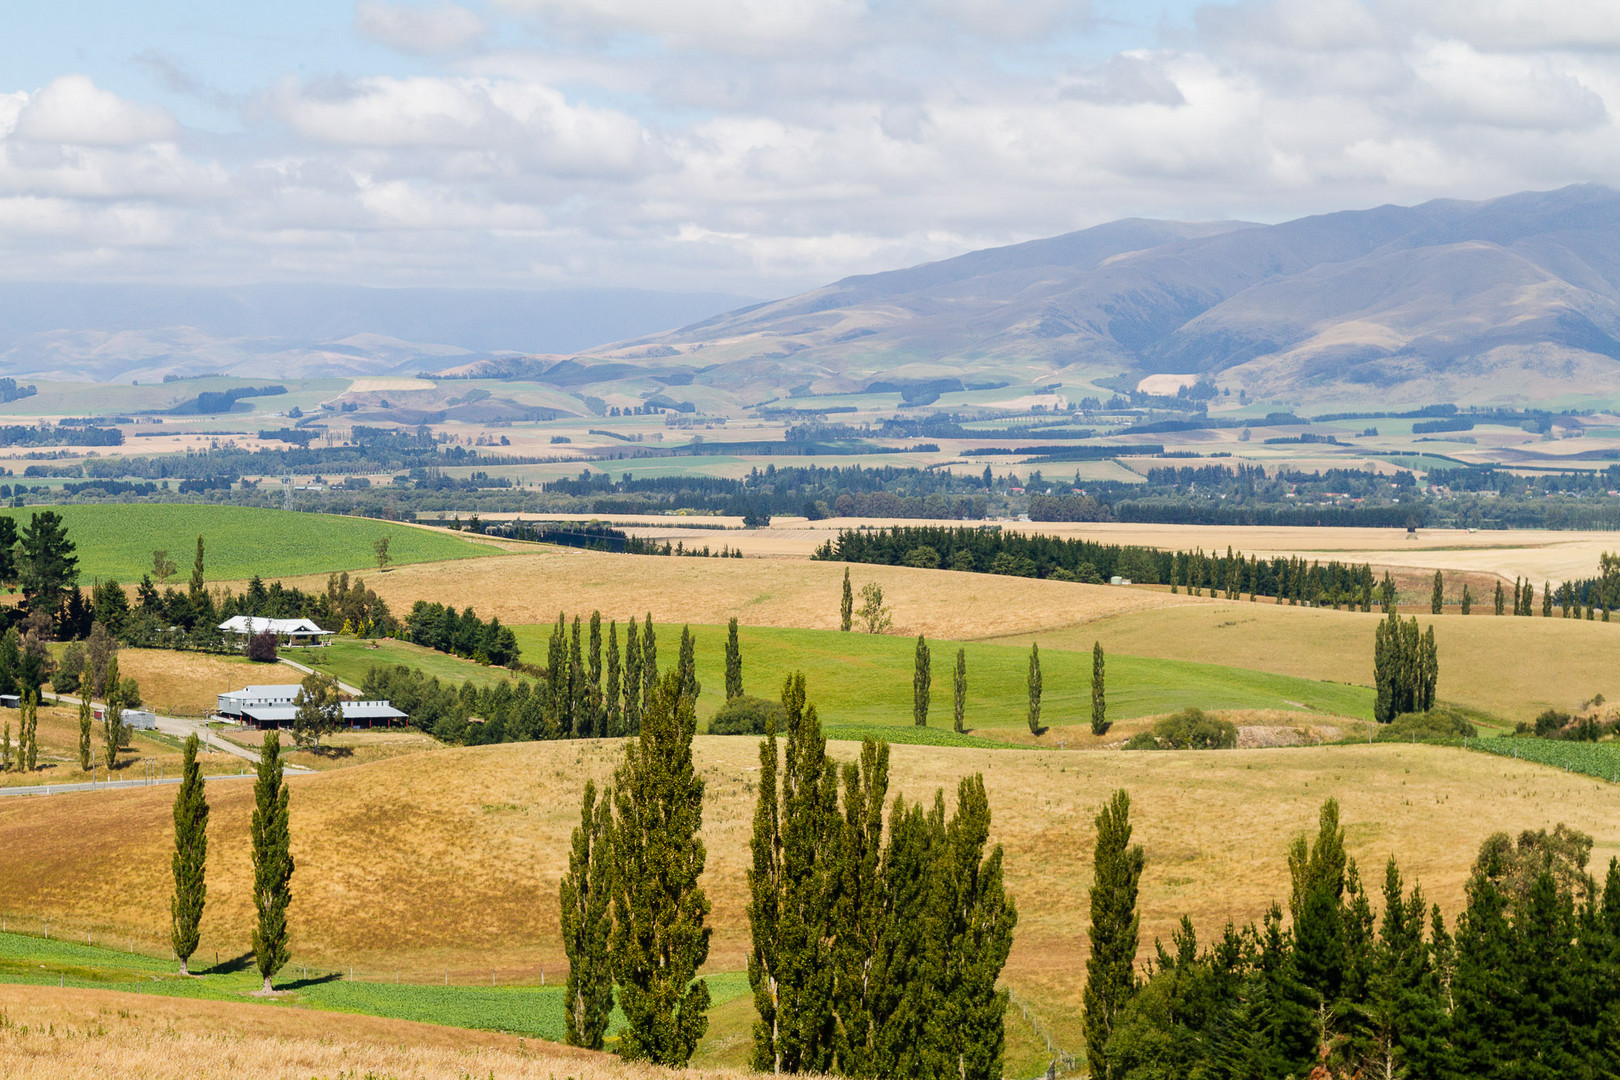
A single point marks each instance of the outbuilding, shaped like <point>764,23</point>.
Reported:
<point>272,706</point>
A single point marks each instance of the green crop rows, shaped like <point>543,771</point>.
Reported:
<point>1601,760</point>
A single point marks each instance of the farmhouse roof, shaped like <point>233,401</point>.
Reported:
<point>249,624</point>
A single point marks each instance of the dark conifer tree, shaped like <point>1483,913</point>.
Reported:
<point>961,690</point>
<point>1035,688</point>
<point>1111,968</point>
<point>190,856</point>
<point>587,922</point>
<point>922,679</point>
<point>1099,701</point>
<point>1318,872</point>
<point>659,938</point>
<point>734,683</point>
<point>272,861</point>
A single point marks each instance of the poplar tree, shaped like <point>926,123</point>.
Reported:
<point>197,591</point>
<point>649,664</point>
<point>1386,593</point>
<point>28,732</point>
<point>1546,599</point>
<point>190,856</point>
<point>272,861</point>
<point>686,666</point>
<point>586,923</point>
<point>579,695</point>
<point>846,607</point>
<point>1467,600</point>
<point>862,984</point>
<point>632,679</point>
<point>112,716</point>
<point>922,678</point>
<point>734,686</point>
<point>961,689</point>
<point>86,717</point>
<point>593,677</point>
<point>659,940</point>
<point>1035,689</point>
<point>1115,929</point>
<point>1099,702</point>
<point>557,690</point>
<point>615,702</point>
<point>765,907</point>
<point>1501,599</point>
<point>1437,599</point>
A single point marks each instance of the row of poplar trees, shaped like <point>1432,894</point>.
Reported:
<point>1406,667</point>
<point>922,681</point>
<point>633,914</point>
<point>588,695</point>
<point>875,952</point>
<point>270,839</point>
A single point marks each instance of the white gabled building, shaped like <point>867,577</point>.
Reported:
<point>290,632</point>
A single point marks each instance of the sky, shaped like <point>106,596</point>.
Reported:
<point>758,147</point>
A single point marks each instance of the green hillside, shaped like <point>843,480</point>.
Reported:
<point>116,540</point>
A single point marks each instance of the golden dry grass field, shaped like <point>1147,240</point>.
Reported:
<point>533,587</point>
<point>1512,667</point>
<point>78,1034</point>
<point>448,861</point>
<point>147,753</point>
<point>188,683</point>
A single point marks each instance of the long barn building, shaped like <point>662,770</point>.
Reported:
<point>266,707</point>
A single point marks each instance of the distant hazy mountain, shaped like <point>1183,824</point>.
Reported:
<point>1514,298</point>
<point>118,332</point>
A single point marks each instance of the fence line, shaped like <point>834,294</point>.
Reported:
<point>1062,1061</point>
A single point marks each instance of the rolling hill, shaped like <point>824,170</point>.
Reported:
<point>1505,301</point>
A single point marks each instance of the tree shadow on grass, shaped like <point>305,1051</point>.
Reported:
<point>310,980</point>
<point>233,966</point>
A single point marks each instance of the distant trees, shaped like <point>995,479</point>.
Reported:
<point>189,865</point>
<point>1406,667</point>
<point>270,839</point>
<point>1437,599</point>
<point>1034,687</point>
<point>922,679</point>
<point>436,626</point>
<point>1099,702</point>
<point>584,898</point>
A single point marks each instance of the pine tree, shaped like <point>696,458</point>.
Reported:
<point>1318,871</point>
<point>272,861</point>
<point>1437,600</point>
<point>593,678</point>
<point>846,607</point>
<point>1115,924</point>
<point>922,679</point>
<point>586,924</point>
<point>1035,689</point>
<point>632,679</point>
<point>190,856</point>
<point>86,717</point>
<point>659,939</point>
<point>614,691</point>
<point>1099,702</point>
<point>734,684</point>
<point>961,690</point>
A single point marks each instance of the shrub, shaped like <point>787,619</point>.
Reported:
<point>1142,740</point>
<point>923,557</point>
<point>69,669</point>
<point>261,648</point>
<point>1551,722</point>
<point>747,716</point>
<point>1434,724</point>
<point>1193,729</point>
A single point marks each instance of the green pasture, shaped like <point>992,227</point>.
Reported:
<point>122,399</point>
<point>533,1011</point>
<point>350,658</point>
<point>866,679</point>
<point>116,540</point>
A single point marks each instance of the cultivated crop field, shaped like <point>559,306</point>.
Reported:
<point>1601,760</point>
<point>116,540</point>
<point>448,861</point>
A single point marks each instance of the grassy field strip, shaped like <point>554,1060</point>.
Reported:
<point>116,540</point>
<point>867,679</point>
<point>1601,760</point>
<point>533,1011</point>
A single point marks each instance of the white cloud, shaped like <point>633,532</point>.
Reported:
<point>746,27</point>
<point>440,28</point>
<point>72,109</point>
